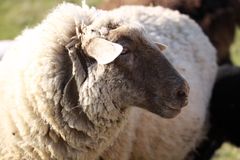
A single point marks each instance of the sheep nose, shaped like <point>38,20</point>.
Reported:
<point>182,94</point>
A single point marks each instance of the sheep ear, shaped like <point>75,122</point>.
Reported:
<point>103,51</point>
<point>161,46</point>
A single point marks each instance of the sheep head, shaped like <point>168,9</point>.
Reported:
<point>133,69</point>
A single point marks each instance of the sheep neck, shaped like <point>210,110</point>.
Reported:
<point>97,120</point>
<point>97,103</point>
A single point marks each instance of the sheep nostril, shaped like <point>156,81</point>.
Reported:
<point>181,94</point>
<point>183,97</point>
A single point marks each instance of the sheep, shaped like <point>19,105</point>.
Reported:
<point>218,18</point>
<point>191,53</point>
<point>46,86</point>
<point>69,84</point>
<point>224,113</point>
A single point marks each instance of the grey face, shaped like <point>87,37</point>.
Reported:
<point>141,76</point>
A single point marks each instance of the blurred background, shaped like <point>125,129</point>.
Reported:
<point>220,20</point>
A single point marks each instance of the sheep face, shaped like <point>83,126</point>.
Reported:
<point>151,80</point>
<point>134,72</point>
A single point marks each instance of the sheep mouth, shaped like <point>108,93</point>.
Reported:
<point>169,112</point>
<point>164,111</point>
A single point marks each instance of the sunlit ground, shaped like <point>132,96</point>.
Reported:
<point>15,15</point>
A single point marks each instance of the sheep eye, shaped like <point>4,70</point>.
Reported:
<point>125,51</point>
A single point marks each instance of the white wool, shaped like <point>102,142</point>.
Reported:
<point>145,135</point>
<point>4,45</point>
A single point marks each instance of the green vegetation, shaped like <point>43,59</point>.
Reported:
<point>235,49</point>
<point>227,152</point>
<point>15,15</point>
